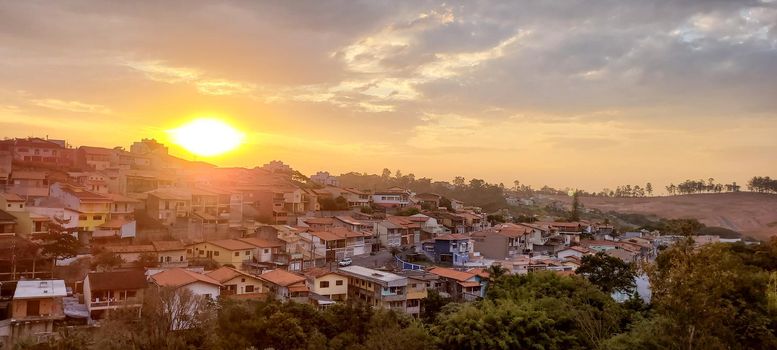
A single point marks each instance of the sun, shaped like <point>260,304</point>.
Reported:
<point>207,137</point>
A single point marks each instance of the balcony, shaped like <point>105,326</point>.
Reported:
<point>114,304</point>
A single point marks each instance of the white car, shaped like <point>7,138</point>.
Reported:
<point>345,262</point>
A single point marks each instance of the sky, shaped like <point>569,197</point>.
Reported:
<point>583,94</point>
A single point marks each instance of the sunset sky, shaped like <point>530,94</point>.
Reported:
<point>587,94</point>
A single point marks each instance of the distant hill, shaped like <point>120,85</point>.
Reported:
<point>752,214</point>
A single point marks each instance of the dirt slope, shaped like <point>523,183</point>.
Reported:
<point>752,214</point>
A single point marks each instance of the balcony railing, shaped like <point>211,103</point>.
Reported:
<point>115,303</point>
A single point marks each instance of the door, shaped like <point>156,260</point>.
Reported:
<point>33,307</point>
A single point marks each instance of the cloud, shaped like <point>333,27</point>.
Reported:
<point>158,71</point>
<point>71,106</point>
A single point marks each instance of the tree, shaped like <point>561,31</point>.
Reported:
<point>148,260</point>
<point>649,188</point>
<point>608,273</point>
<point>711,298</point>
<point>59,243</point>
<point>574,215</point>
<point>106,260</point>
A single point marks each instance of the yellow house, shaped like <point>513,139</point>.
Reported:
<point>223,251</point>
<point>93,209</point>
<point>327,284</point>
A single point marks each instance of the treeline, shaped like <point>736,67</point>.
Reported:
<point>713,297</point>
<point>475,192</point>
<point>762,184</point>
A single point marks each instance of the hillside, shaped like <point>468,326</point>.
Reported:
<point>752,214</point>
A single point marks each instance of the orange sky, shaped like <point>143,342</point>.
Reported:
<point>594,96</point>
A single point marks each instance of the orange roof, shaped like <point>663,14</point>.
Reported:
<point>451,273</point>
<point>301,287</point>
<point>480,272</point>
<point>166,246</point>
<point>231,244</point>
<point>469,284</point>
<point>226,273</point>
<point>319,272</point>
<point>144,248</point>
<point>262,243</point>
<point>281,277</point>
<point>12,197</point>
<point>319,221</point>
<point>179,277</point>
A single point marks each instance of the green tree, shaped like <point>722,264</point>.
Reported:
<point>59,243</point>
<point>148,260</point>
<point>107,261</point>
<point>649,188</point>
<point>574,215</point>
<point>608,273</point>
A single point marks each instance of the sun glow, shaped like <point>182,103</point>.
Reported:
<point>207,137</point>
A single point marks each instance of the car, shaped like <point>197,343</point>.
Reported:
<point>345,261</point>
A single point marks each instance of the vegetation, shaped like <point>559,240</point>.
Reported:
<point>762,184</point>
<point>475,192</point>
<point>608,273</point>
<point>59,243</point>
<point>712,297</point>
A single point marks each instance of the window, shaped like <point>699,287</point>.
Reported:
<point>207,296</point>
<point>131,293</point>
<point>323,284</point>
<point>98,217</point>
<point>33,307</point>
<point>242,280</point>
<point>267,251</point>
<point>339,282</point>
<point>248,252</point>
<point>188,251</point>
<point>249,288</point>
<point>237,253</point>
<point>215,253</point>
<point>82,217</point>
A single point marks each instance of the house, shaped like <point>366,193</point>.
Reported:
<point>93,209</point>
<point>576,251</point>
<point>450,249</point>
<point>394,197</point>
<point>225,251</point>
<point>428,200</point>
<point>397,231</point>
<point>336,243</point>
<point>236,283</point>
<point>352,224</point>
<point>197,283</point>
<point>265,250</point>
<point>457,205</point>
<point>379,289</point>
<point>28,224</point>
<point>170,253</point>
<point>36,151</point>
<point>131,254</point>
<point>95,158</point>
<point>7,223</point>
<point>285,286</point>
<point>35,307</point>
<point>325,179</point>
<point>28,184</point>
<point>502,241</point>
<point>168,205</point>
<point>326,287</point>
<point>105,291</point>
<point>461,285</point>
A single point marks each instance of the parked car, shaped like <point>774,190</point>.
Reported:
<point>345,261</point>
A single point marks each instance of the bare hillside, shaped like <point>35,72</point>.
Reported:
<point>752,214</point>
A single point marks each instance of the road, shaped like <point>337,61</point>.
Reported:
<point>380,259</point>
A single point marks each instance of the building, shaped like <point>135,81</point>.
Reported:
<point>285,286</point>
<point>326,287</point>
<point>461,285</point>
<point>451,249</point>
<point>197,283</point>
<point>266,251</point>
<point>105,291</point>
<point>28,184</point>
<point>336,243</point>
<point>430,201</point>
<point>394,197</point>
<point>502,241</point>
<point>576,251</point>
<point>7,223</point>
<point>35,307</point>
<point>323,178</point>
<point>397,231</point>
<point>92,209</point>
<point>236,283</point>
<point>36,151</point>
<point>224,251</point>
<point>379,289</point>
<point>170,253</point>
<point>168,205</point>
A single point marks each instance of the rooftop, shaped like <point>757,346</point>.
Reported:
<point>115,280</point>
<point>33,289</point>
<point>452,274</point>
<point>178,277</point>
<point>226,273</point>
<point>231,244</point>
<point>381,277</point>
<point>281,277</point>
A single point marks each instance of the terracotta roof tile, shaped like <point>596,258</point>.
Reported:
<point>117,280</point>
<point>281,277</point>
<point>179,277</point>
<point>451,273</point>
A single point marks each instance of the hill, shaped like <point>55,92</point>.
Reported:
<point>752,214</point>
